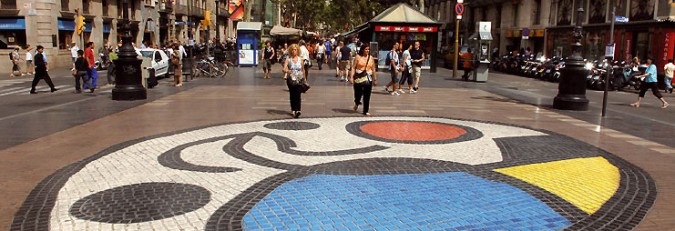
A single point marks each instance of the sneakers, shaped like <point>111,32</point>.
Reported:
<point>413,91</point>
<point>386,90</point>
<point>395,93</point>
<point>400,91</point>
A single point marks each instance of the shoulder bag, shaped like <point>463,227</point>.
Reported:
<point>362,78</point>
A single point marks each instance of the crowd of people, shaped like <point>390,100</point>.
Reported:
<point>353,64</point>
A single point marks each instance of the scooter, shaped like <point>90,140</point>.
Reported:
<point>624,77</point>
<point>102,62</point>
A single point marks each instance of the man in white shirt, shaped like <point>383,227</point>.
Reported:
<point>304,54</point>
<point>73,53</point>
<point>182,50</point>
<point>669,69</point>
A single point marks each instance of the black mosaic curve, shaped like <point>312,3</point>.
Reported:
<point>172,159</point>
<point>626,208</point>
<point>355,129</point>
<point>292,125</point>
<point>140,203</point>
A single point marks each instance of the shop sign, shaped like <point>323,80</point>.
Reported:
<point>539,33</point>
<point>609,51</point>
<point>622,19</point>
<point>509,34</point>
<point>668,45</point>
<point>525,33</point>
<point>423,29</point>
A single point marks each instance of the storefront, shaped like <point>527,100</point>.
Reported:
<point>405,25</point>
<point>640,39</point>
<point>12,33</point>
<point>524,38</point>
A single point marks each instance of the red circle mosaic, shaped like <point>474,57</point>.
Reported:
<point>412,131</point>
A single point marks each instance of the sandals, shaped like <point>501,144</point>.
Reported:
<point>665,105</point>
<point>356,107</point>
<point>634,105</point>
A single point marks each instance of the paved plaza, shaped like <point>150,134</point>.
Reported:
<point>225,154</point>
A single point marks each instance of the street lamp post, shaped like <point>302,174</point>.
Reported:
<point>572,87</point>
<point>128,66</point>
<point>216,22</point>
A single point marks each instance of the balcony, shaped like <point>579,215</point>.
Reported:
<point>180,9</point>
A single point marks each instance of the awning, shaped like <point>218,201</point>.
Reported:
<point>69,25</point>
<point>249,26</point>
<point>356,30</point>
<point>12,24</point>
<point>284,31</point>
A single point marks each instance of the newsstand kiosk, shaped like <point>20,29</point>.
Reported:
<point>481,43</point>
<point>247,43</point>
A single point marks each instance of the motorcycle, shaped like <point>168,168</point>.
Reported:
<point>624,77</point>
<point>101,62</point>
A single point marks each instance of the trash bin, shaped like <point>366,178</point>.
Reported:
<point>481,72</point>
<point>151,81</point>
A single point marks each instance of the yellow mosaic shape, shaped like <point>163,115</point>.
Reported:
<point>585,182</point>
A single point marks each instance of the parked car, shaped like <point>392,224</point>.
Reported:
<point>160,61</point>
<point>450,57</point>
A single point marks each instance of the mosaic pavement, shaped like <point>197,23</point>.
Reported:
<point>345,173</point>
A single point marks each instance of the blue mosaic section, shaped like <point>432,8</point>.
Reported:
<point>455,201</point>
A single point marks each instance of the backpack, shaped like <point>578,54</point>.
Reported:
<point>388,59</point>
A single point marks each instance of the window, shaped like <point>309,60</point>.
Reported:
<point>515,15</point>
<point>537,12</point>
<point>105,7</point>
<point>85,6</point>
<point>7,4</point>
<point>65,5</point>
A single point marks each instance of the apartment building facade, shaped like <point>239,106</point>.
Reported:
<point>545,26</point>
<point>51,23</point>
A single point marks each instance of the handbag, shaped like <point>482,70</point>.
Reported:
<point>362,78</point>
<point>74,72</point>
<point>307,63</point>
<point>304,87</point>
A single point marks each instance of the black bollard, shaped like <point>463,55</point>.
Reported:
<point>572,87</point>
<point>128,67</point>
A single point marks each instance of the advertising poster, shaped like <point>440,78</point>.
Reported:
<point>236,9</point>
<point>246,57</point>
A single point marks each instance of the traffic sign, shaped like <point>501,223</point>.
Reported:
<point>619,18</point>
<point>459,8</point>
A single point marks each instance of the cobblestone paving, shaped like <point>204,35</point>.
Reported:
<point>346,173</point>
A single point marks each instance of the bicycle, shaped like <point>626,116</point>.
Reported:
<point>210,68</point>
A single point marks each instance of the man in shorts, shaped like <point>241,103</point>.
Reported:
<point>417,59</point>
<point>344,56</point>
<point>268,55</point>
<point>392,58</point>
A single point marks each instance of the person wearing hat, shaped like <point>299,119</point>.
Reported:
<point>30,68</point>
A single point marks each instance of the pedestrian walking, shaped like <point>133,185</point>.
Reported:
<point>468,64</point>
<point>669,69</point>
<point>177,62</point>
<point>92,75</point>
<point>417,56</point>
<point>81,70</point>
<point>328,56</point>
<point>392,60</point>
<point>344,57</point>
<point>30,68</point>
<point>15,59</point>
<point>112,75</point>
<point>406,75</point>
<point>41,70</point>
<point>363,76</point>
<point>268,55</point>
<point>294,68</point>
<point>649,83</point>
<point>320,54</point>
<point>304,54</point>
<point>73,53</point>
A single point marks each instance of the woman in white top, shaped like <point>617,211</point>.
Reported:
<point>320,54</point>
<point>295,71</point>
<point>30,68</point>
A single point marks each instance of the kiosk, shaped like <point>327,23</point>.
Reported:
<point>481,42</point>
<point>247,43</point>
